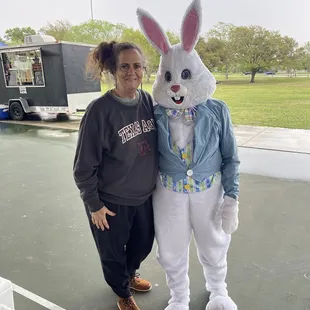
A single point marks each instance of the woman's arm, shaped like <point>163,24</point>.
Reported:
<point>88,158</point>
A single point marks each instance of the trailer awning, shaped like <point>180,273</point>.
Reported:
<point>21,49</point>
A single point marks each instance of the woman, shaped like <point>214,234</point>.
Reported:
<point>115,169</point>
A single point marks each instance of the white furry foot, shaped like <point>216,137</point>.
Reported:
<point>177,306</point>
<point>221,303</point>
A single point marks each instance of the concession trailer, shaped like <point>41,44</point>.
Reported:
<point>45,77</point>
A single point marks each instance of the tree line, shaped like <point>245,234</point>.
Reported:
<point>225,48</point>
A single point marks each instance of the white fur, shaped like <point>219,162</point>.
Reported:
<point>176,306</point>
<point>221,303</point>
<point>196,4</point>
<point>181,133</point>
<point>177,217</point>
<point>229,215</point>
<point>202,84</point>
<point>206,214</point>
<point>196,90</point>
<point>142,13</point>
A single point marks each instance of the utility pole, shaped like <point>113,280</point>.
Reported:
<point>91,10</point>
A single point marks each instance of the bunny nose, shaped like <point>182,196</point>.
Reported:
<point>175,88</point>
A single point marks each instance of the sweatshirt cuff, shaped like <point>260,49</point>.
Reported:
<point>94,205</point>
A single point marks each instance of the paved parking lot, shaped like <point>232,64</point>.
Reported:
<point>46,246</point>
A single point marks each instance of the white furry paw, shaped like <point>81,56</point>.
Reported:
<point>177,306</point>
<point>221,303</point>
<point>230,210</point>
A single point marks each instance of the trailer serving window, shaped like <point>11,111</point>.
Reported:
<point>23,68</point>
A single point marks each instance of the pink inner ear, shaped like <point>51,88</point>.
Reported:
<point>190,30</point>
<point>155,34</point>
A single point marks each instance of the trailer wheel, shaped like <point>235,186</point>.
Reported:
<point>16,111</point>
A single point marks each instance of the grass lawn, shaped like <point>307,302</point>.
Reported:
<point>270,101</point>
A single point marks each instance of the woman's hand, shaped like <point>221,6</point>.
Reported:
<point>99,218</point>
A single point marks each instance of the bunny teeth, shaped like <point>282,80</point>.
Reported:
<point>177,99</point>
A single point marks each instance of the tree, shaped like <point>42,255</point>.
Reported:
<point>16,35</point>
<point>306,58</point>
<point>291,55</point>
<point>256,48</point>
<point>211,52</point>
<point>58,30</point>
<point>221,45</point>
<point>173,37</point>
<point>94,32</point>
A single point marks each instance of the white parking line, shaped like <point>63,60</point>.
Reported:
<point>35,298</point>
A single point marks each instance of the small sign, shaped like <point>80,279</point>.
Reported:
<point>22,90</point>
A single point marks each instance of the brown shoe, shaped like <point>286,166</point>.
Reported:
<point>127,304</point>
<point>140,285</point>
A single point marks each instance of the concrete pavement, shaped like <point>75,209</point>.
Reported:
<point>46,246</point>
<point>270,138</point>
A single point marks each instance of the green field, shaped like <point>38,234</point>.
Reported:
<point>271,101</point>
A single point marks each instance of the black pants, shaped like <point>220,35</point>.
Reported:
<point>125,245</point>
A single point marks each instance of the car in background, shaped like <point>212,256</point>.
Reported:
<point>270,73</point>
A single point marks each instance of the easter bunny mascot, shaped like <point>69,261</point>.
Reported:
<point>198,183</point>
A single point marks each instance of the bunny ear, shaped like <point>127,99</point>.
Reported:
<point>153,32</point>
<point>191,26</point>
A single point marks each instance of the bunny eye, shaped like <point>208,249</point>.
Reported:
<point>186,74</point>
<point>168,76</point>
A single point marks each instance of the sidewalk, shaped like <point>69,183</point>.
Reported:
<point>278,139</point>
<point>268,138</point>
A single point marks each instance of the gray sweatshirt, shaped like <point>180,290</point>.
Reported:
<point>116,155</point>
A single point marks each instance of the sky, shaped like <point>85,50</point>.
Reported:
<point>290,17</point>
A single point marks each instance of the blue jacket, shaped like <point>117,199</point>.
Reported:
<point>215,147</point>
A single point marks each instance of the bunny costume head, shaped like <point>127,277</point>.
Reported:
<point>182,81</point>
